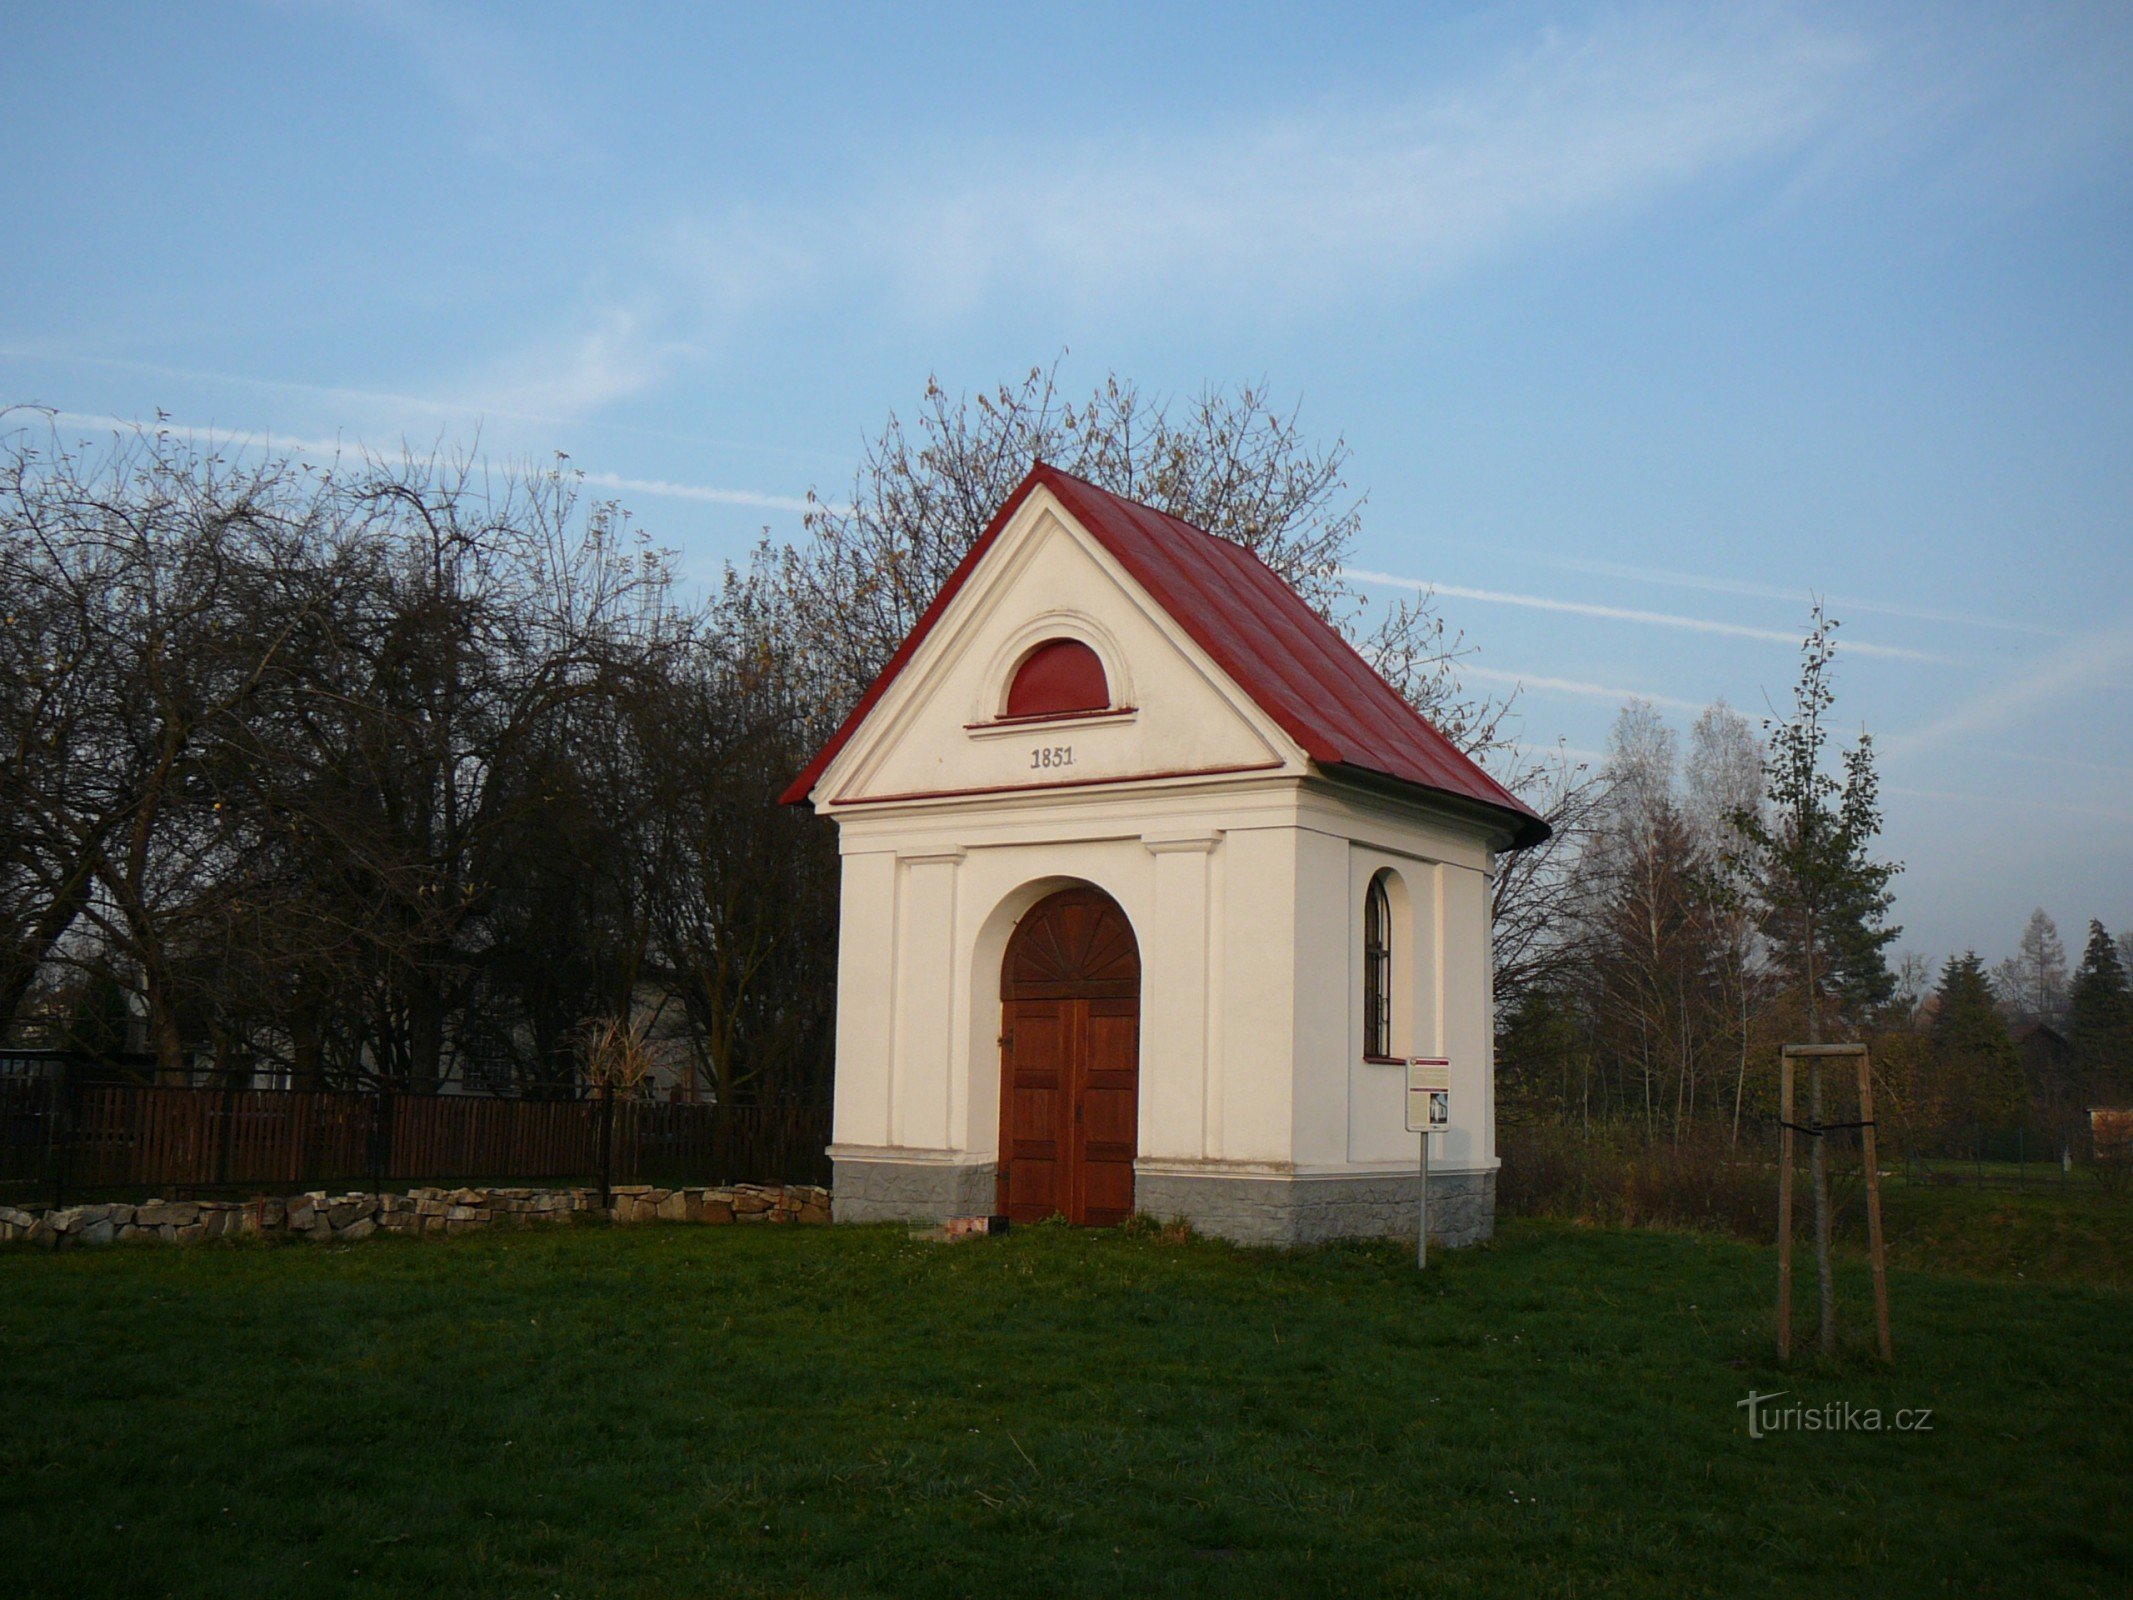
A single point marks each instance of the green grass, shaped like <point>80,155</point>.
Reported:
<point>739,1411</point>
<point>2080,1235</point>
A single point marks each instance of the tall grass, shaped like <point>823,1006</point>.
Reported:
<point>1614,1176</point>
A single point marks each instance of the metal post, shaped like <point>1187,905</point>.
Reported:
<point>1422,1210</point>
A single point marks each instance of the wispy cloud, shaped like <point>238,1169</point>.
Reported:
<point>1630,614</point>
<point>2116,769</point>
<point>2089,662</point>
<point>513,111</point>
<point>2019,802</point>
<point>1397,192</point>
<point>623,353</point>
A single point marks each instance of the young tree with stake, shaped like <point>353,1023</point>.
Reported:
<point>1817,891</point>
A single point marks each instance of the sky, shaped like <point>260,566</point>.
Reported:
<point>1644,324</point>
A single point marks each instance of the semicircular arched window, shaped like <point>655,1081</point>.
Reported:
<point>1377,971</point>
<point>1057,678</point>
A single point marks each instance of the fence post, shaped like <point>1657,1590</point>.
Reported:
<point>607,1146</point>
<point>59,1134</point>
<point>1977,1154</point>
<point>381,1136</point>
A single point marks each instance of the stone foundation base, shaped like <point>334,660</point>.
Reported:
<point>1248,1208</point>
<point>878,1189</point>
<point>1291,1210</point>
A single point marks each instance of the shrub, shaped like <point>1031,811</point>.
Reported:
<point>1614,1176</point>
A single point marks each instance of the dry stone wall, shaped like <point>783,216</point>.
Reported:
<point>324,1217</point>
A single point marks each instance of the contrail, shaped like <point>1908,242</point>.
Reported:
<point>408,402</point>
<point>1576,686</point>
<point>753,498</point>
<point>1767,591</point>
<point>1654,619</point>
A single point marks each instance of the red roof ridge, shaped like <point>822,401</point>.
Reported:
<point>1293,664</point>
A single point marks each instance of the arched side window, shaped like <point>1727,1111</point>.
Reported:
<point>1058,678</point>
<point>1377,970</point>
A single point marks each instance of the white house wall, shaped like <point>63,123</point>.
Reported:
<point>1241,869</point>
<point>1247,906</point>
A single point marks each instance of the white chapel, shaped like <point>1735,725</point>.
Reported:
<point>1151,886</point>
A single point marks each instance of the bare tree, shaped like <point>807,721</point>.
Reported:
<point>1725,782</point>
<point>2031,984</point>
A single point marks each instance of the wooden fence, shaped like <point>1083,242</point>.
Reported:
<point>179,1140</point>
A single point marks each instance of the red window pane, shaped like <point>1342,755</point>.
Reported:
<point>1060,676</point>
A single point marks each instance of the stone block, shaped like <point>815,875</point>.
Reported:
<point>361,1228</point>
<point>674,1207</point>
<point>101,1231</point>
<point>911,1191</point>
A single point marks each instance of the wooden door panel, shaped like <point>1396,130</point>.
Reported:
<point>1038,1078</point>
<point>1108,1069</point>
<point>1070,1061</point>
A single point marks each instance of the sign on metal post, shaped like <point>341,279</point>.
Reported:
<point>1429,1093</point>
<point>1429,1107</point>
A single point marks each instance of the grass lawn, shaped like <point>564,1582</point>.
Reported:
<point>2081,1234</point>
<point>740,1411</point>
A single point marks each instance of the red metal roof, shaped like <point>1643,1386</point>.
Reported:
<point>1294,664</point>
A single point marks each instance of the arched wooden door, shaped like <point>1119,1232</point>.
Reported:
<point>1070,1047</point>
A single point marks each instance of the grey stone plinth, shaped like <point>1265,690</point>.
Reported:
<point>875,1189</point>
<point>1283,1209</point>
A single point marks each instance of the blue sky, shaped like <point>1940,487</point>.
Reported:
<point>1643,322</point>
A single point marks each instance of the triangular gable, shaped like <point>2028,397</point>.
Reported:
<point>942,730</point>
<point>1292,664</point>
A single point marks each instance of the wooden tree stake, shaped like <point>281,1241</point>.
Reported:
<point>1785,1206</point>
<point>1817,1053</point>
<point>1873,1208</point>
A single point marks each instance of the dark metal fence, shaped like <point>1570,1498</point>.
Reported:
<point>67,1135</point>
<point>2006,1158</point>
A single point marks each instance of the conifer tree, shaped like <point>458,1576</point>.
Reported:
<point>1973,1054</point>
<point>2100,1020</point>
